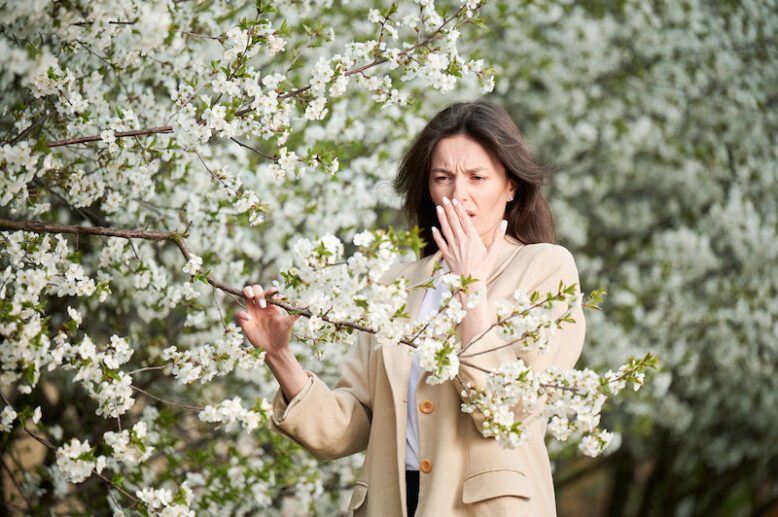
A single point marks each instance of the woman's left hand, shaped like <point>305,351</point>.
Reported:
<point>466,254</point>
<point>462,247</point>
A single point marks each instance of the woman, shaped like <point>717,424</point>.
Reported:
<point>473,187</point>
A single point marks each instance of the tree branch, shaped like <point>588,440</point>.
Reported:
<point>118,134</point>
<point>37,227</point>
<point>178,238</point>
<point>30,129</point>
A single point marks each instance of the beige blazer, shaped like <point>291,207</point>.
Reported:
<point>469,475</point>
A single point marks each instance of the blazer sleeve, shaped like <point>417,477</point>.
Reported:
<point>543,274</point>
<point>328,423</point>
<point>333,423</point>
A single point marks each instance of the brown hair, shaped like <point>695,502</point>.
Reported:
<point>529,217</point>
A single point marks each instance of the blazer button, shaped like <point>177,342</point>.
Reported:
<point>426,407</point>
<point>425,466</point>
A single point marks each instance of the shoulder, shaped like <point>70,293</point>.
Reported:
<point>545,252</point>
<point>541,260</point>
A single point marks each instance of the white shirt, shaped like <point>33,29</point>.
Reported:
<point>430,304</point>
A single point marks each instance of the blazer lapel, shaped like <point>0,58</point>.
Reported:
<point>397,359</point>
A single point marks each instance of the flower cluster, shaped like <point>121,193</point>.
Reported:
<point>6,419</point>
<point>207,361</point>
<point>353,293</point>
<point>231,411</point>
<point>76,461</point>
<point>129,446</point>
<point>97,369</point>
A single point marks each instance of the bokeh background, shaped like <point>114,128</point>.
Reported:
<point>657,121</point>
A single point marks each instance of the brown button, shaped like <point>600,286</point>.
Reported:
<point>425,466</point>
<point>426,407</point>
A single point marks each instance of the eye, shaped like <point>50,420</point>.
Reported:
<point>479,178</point>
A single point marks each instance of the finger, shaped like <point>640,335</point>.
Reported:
<point>439,240</point>
<point>244,319</point>
<point>464,219</point>
<point>248,293</point>
<point>453,218</point>
<point>259,296</point>
<point>445,227</point>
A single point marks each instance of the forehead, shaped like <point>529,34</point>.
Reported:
<point>462,151</point>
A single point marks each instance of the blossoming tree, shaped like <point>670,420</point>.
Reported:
<point>156,157</point>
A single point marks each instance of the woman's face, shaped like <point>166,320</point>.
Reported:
<point>462,169</point>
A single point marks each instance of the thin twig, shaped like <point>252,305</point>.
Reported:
<point>504,345</point>
<point>264,155</point>
<point>30,129</point>
<point>214,175</point>
<point>13,480</point>
<point>218,308</point>
<point>204,36</point>
<point>169,402</point>
<point>507,318</point>
<point>146,369</point>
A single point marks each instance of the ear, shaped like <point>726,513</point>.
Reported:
<point>512,186</point>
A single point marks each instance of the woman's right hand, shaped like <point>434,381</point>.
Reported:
<point>268,326</point>
<point>265,325</point>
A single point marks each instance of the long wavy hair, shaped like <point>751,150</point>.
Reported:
<point>529,217</point>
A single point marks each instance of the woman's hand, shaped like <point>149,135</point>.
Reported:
<point>462,247</point>
<point>268,326</point>
<point>466,254</point>
<point>265,325</point>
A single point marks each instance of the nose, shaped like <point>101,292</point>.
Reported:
<point>460,188</point>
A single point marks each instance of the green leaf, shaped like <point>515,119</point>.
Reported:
<point>283,30</point>
<point>41,146</point>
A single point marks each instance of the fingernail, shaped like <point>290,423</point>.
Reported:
<point>244,316</point>
<point>504,224</point>
<point>445,200</point>
<point>434,229</point>
<point>439,208</point>
<point>454,202</point>
<point>249,292</point>
<point>262,303</point>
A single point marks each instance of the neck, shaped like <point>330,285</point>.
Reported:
<point>488,236</point>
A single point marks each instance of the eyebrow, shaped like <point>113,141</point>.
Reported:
<point>477,169</point>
